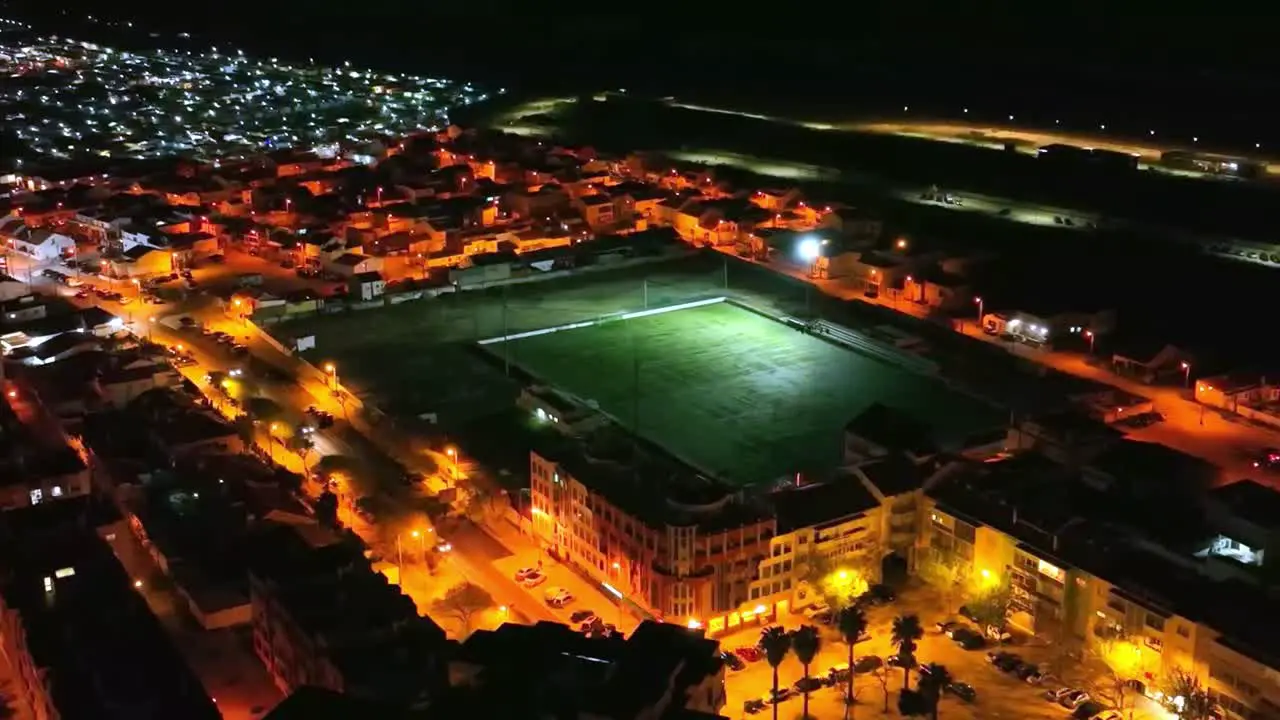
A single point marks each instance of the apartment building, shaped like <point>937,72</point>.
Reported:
<point>682,547</point>
<point>80,638</point>
<point>689,550</point>
<point>1088,564</point>
<point>323,617</point>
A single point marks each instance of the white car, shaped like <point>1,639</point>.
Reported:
<point>1109,715</point>
<point>533,580</point>
<point>525,572</point>
<point>558,597</point>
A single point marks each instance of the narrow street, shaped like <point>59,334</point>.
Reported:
<point>222,659</point>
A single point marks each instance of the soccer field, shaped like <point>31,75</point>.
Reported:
<point>733,393</point>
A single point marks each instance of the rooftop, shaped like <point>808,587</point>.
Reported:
<point>369,630</point>
<point>548,665</point>
<point>105,655</point>
<point>819,504</point>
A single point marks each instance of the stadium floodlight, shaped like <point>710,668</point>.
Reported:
<point>810,248</point>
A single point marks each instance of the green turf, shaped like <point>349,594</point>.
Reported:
<point>731,392</point>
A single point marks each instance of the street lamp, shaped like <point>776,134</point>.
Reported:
<point>1091,337</point>
<point>1186,374</point>
<point>978,301</point>
<point>453,464</point>
<point>332,371</point>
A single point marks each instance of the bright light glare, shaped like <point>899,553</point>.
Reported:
<point>809,249</point>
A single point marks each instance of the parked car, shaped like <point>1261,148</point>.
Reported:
<point>945,626</point>
<point>878,594</point>
<point>1109,715</point>
<point>533,579</point>
<point>1087,710</point>
<point>1029,673</point>
<point>996,657</point>
<point>963,690</point>
<point>1056,694</point>
<point>807,685</point>
<point>732,661</point>
<point>558,597</point>
<point>968,639</point>
<point>837,674</point>
<point>749,653</point>
<point>1074,699</point>
<point>969,615</point>
<point>583,617</point>
<point>753,706</point>
<point>782,694</point>
<point>867,663</point>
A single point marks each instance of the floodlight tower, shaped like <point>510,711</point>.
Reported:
<point>810,250</point>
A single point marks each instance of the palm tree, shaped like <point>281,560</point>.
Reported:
<point>933,682</point>
<point>851,622</point>
<point>906,631</point>
<point>775,643</point>
<point>805,642</point>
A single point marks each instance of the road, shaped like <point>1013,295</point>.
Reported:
<point>223,659</point>
<point>379,455</point>
<point>999,695</point>
<point>1223,439</point>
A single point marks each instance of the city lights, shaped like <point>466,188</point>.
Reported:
<point>102,102</point>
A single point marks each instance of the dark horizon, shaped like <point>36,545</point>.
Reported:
<point>1088,70</point>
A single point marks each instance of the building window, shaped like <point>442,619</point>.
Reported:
<point>1184,631</point>
<point>1155,622</point>
<point>57,491</point>
<point>36,496</point>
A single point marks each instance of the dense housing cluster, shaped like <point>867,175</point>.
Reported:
<point>70,99</point>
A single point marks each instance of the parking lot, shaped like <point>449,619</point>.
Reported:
<point>586,595</point>
<point>999,694</point>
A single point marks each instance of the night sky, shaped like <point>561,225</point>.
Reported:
<point>1211,75</point>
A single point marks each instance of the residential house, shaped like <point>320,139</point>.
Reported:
<point>854,223</point>
<point>367,286</point>
<point>537,201</point>
<point>350,264</point>
<point>40,244</point>
<point>1151,361</point>
<point>776,200</point>
<point>597,209</point>
<point>637,200</point>
<point>141,261</point>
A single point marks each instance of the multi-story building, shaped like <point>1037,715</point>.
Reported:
<point>80,638</point>
<point>648,529</point>
<point>688,549</point>
<point>323,617</point>
<point>1089,565</point>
